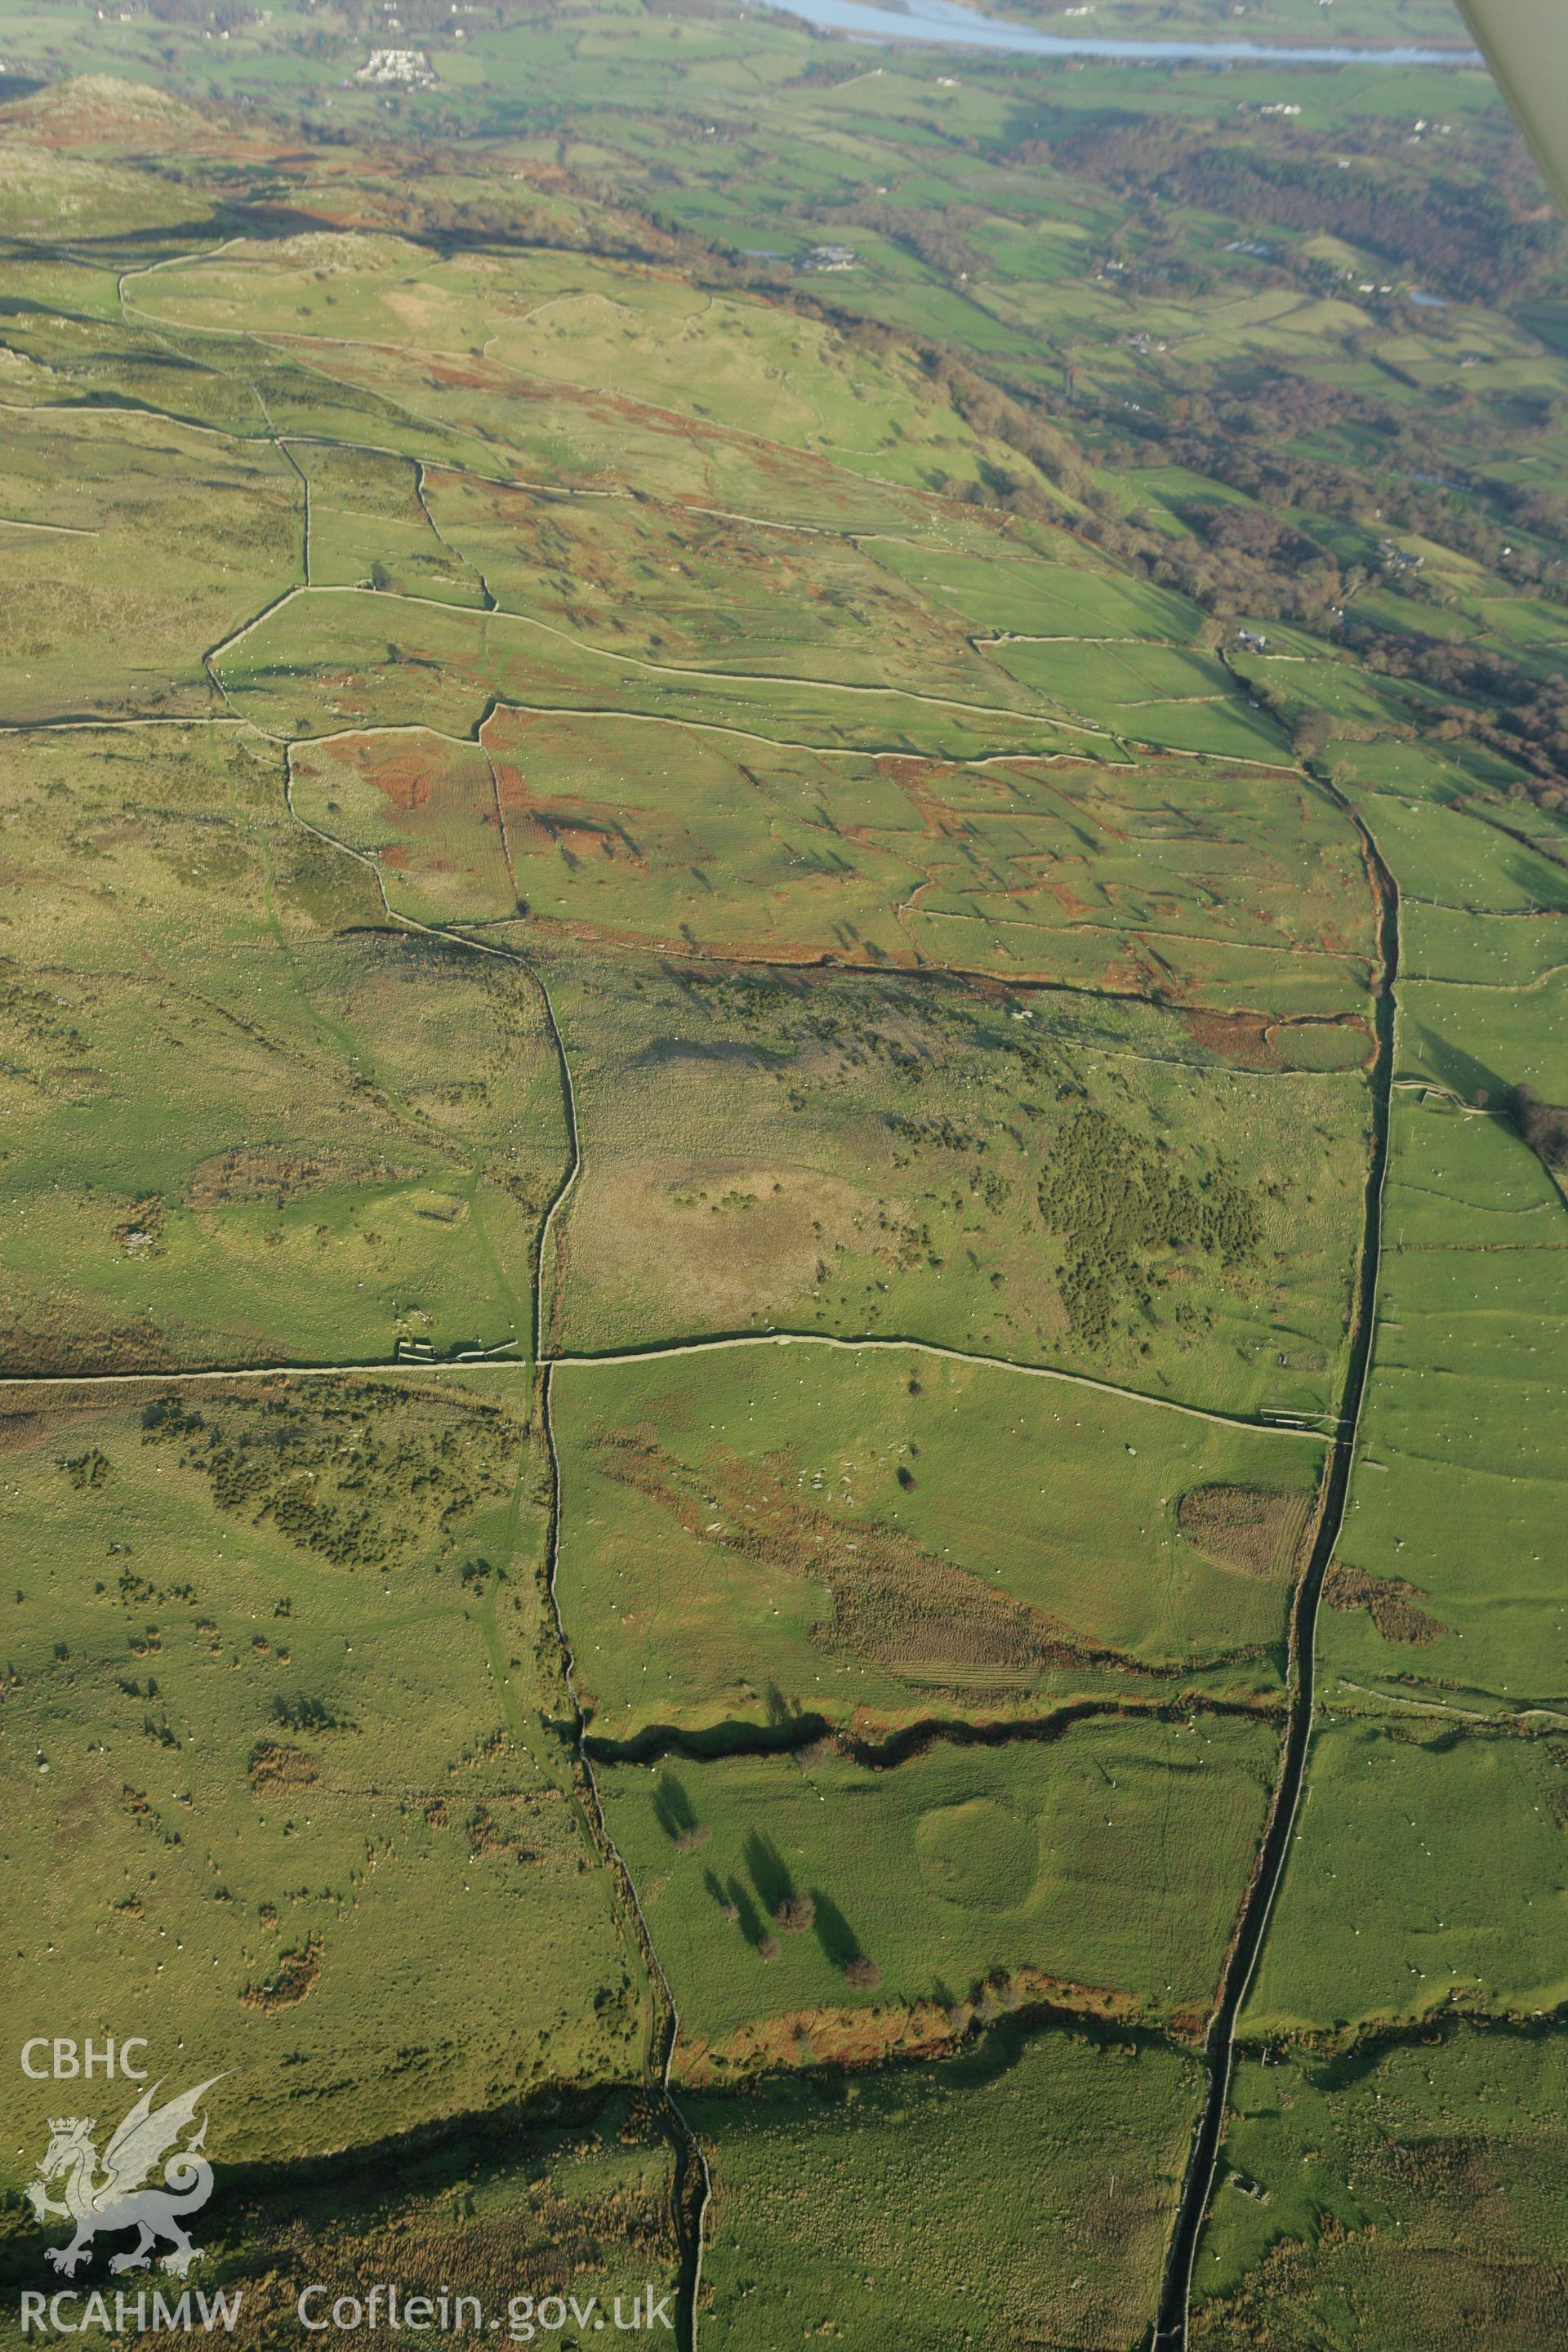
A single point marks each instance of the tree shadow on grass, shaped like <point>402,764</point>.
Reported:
<point>752,1926</point>
<point>673,1807</point>
<point>782,1712</point>
<point>1472,1081</point>
<point>770,1874</point>
<point>839,1942</point>
<point>735,1902</point>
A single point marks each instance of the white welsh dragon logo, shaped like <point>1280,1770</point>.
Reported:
<point>119,2200</point>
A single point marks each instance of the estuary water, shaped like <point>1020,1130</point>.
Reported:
<point>950,23</point>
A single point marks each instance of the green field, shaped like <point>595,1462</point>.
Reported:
<point>1427,1873</point>
<point>783,1008</point>
<point>960,1868</point>
<point>133,546</point>
<point>249,1125</point>
<point>837,1532</point>
<point>271,1672</point>
<point>869,1155</point>
<point>1065,2150</point>
<point>1400,2190</point>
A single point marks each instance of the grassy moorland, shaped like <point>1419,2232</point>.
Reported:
<point>584,777</point>
<point>270,1670</point>
<point>574,2201</point>
<point>923,1155</point>
<point>1377,2194</point>
<point>250,1125</point>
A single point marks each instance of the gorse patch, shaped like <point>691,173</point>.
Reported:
<point>85,1471</point>
<point>1119,1206</point>
<point>362,1477</point>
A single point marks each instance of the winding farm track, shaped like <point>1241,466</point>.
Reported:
<point>657,1352</point>
<point>661,1351</point>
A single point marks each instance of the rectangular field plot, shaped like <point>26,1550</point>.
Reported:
<point>1464,1179</point>
<point>773,1534</point>
<point>1453,857</point>
<point>398,557</point>
<point>1221,884</point>
<point>1016,1175</point>
<point>824,2186</point>
<point>707,590</point>
<point>350,655</point>
<point>250,1124</point>
<point>1023,597</point>
<point>1150,694</point>
<point>424,808</point>
<point>1102,1869</point>
<point>1446,943</point>
<point>371,528</point>
<point>1483,1041</point>
<point>149,544</point>
<point>1456,1495</point>
<point>1227,889</point>
<point>1446,1580</point>
<point>1428,1869</point>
